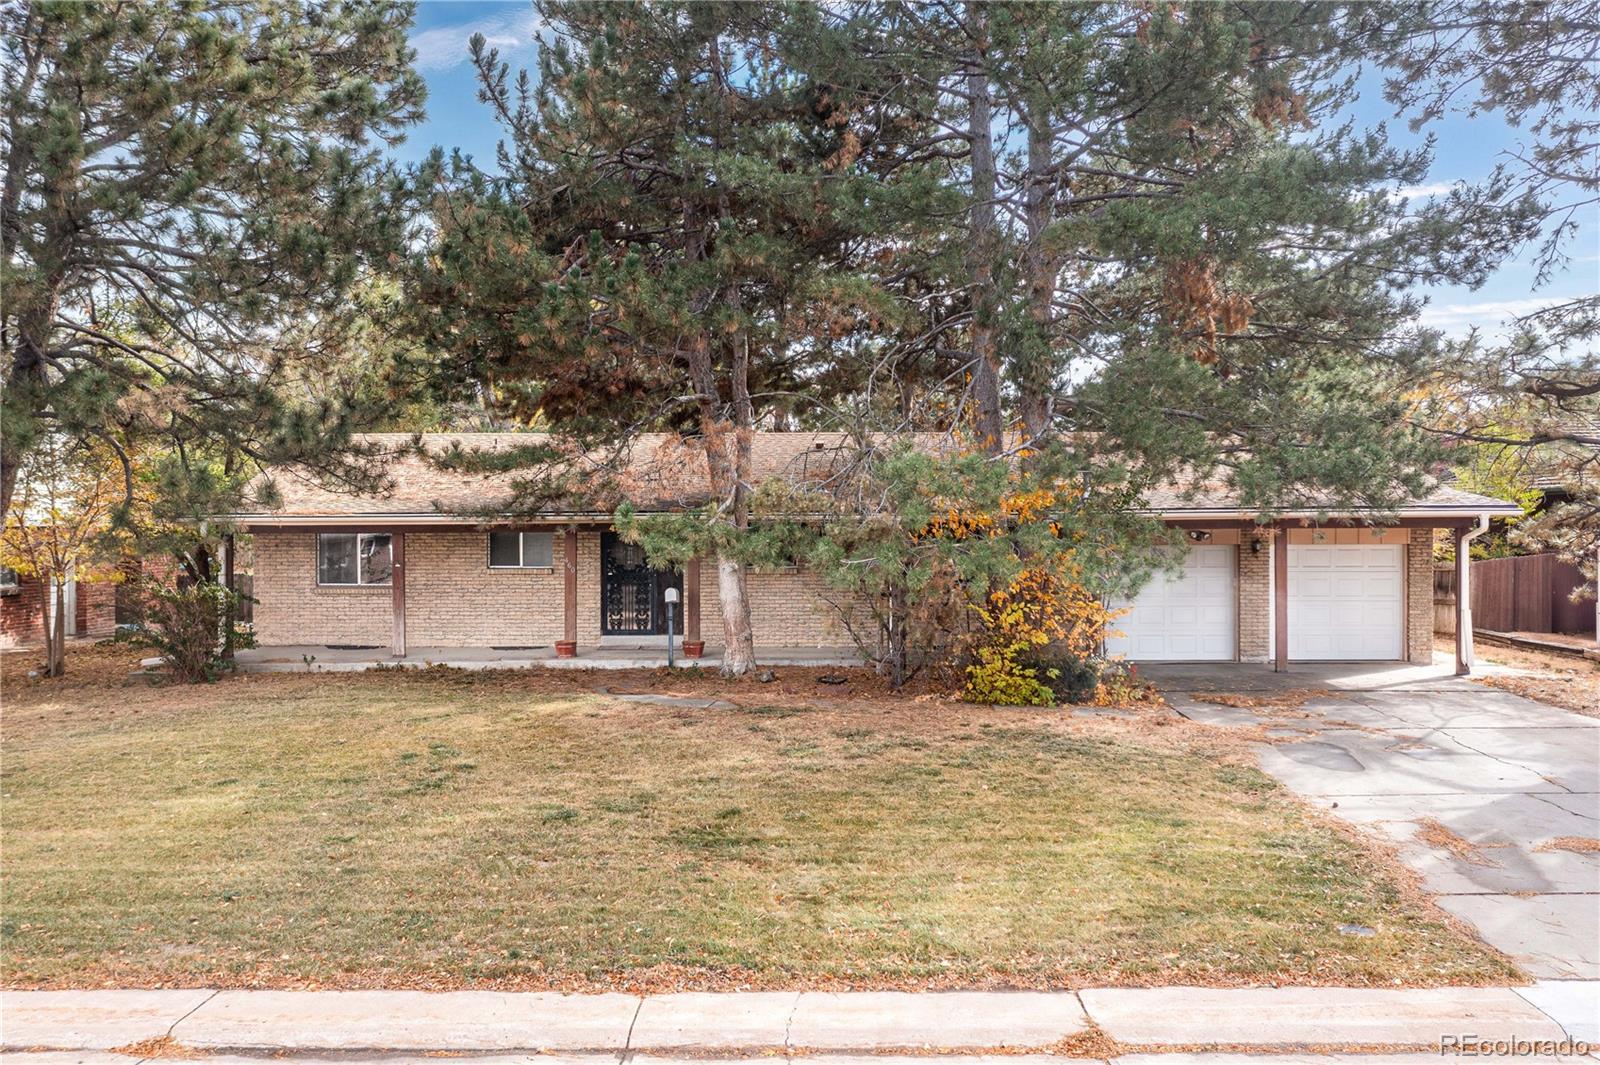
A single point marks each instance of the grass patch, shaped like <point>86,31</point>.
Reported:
<point>494,830</point>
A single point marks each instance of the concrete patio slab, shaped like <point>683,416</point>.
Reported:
<point>867,1020</point>
<point>410,1020</point>
<point>1297,1016</point>
<point>707,1020</point>
<point>317,658</point>
<point>1573,1004</point>
<point>1438,675</point>
<point>92,1020</point>
<point>1553,937</point>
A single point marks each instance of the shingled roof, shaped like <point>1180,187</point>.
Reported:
<point>656,472</point>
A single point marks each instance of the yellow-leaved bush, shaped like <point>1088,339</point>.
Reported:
<point>1043,614</point>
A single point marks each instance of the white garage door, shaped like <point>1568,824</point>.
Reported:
<point>1346,603</point>
<point>1190,616</point>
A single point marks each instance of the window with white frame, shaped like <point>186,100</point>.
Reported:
<point>10,583</point>
<point>354,558</point>
<point>521,550</point>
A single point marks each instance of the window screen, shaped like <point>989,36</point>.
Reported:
<point>505,549</point>
<point>354,558</point>
<point>377,562</point>
<point>528,550</point>
<point>336,558</point>
<point>536,548</point>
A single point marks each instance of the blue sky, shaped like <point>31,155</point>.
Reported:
<point>1465,150</point>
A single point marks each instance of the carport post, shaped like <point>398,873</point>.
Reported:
<point>567,646</point>
<point>1280,598</point>
<point>397,590</point>
<point>227,582</point>
<point>1463,607</point>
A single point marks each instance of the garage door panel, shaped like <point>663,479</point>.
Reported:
<point>1190,616</point>
<point>1346,602</point>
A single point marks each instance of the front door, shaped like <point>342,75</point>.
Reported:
<point>632,594</point>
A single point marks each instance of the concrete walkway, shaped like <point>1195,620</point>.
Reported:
<point>316,658</point>
<point>340,1024</point>
<point>1484,792</point>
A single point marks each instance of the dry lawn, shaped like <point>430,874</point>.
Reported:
<point>519,830</point>
<point>1559,680</point>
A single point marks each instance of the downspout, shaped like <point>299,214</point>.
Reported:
<point>1464,589</point>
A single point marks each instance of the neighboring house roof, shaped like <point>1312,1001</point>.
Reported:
<point>655,472</point>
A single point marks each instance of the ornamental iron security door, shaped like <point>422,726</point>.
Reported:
<point>632,594</point>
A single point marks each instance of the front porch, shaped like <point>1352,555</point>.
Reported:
<point>320,658</point>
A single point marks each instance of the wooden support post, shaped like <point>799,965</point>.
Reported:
<point>1463,604</point>
<point>1280,598</point>
<point>693,645</point>
<point>567,646</point>
<point>227,582</point>
<point>397,588</point>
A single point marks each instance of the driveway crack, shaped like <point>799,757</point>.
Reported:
<point>1503,761</point>
<point>1563,809</point>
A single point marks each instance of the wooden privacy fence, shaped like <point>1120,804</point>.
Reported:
<point>1528,593</point>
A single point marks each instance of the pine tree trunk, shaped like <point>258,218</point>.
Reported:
<point>738,655</point>
<point>988,419</point>
<point>1036,380</point>
<point>25,380</point>
<point>895,648</point>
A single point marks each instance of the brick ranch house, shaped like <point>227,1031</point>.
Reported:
<point>91,609</point>
<point>427,565</point>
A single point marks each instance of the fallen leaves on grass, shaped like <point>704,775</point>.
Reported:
<point>1436,834</point>
<point>1544,676</point>
<point>1576,844</point>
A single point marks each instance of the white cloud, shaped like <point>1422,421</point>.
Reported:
<point>1413,192</point>
<point>446,46</point>
<point>1456,319</point>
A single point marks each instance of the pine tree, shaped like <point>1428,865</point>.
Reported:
<point>1530,401</point>
<point>661,240</point>
<point>184,182</point>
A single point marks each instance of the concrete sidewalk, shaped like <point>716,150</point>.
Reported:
<point>307,1024</point>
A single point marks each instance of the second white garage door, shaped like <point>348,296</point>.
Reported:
<point>1346,603</point>
<point>1190,616</point>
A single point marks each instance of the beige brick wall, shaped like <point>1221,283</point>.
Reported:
<point>788,608</point>
<point>454,599</point>
<point>1255,600</point>
<point>292,608</point>
<point>1419,596</point>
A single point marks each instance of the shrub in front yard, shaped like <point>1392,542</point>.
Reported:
<point>1037,642</point>
<point>191,628</point>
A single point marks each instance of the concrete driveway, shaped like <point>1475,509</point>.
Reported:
<point>1483,791</point>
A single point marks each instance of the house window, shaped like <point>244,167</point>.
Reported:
<point>354,558</point>
<point>521,550</point>
<point>10,583</point>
